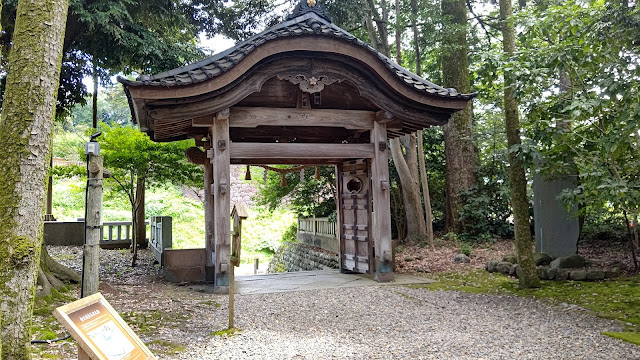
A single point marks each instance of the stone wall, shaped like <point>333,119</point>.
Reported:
<point>301,257</point>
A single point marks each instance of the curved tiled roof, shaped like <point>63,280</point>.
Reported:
<point>309,22</point>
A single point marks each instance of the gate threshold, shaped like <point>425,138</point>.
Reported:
<point>314,280</point>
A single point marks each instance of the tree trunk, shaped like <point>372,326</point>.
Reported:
<point>398,34</point>
<point>25,135</point>
<point>141,226</point>
<point>407,167</point>
<point>527,274</point>
<point>425,190</point>
<point>135,208</point>
<point>416,44</point>
<point>459,150</point>
<point>52,274</point>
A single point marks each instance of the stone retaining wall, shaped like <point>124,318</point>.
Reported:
<point>301,257</point>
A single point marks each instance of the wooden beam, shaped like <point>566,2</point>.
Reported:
<point>300,151</point>
<point>202,121</point>
<point>381,205</point>
<point>221,192</point>
<point>248,117</point>
<point>268,161</point>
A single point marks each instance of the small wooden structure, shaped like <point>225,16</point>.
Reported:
<point>301,92</point>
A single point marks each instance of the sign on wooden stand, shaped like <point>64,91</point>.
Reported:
<point>100,332</point>
<point>238,213</point>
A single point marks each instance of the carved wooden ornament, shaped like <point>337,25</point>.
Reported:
<point>312,84</point>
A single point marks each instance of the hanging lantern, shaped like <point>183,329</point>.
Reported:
<point>317,174</point>
<point>264,177</point>
<point>247,176</point>
<point>302,175</point>
<point>283,180</point>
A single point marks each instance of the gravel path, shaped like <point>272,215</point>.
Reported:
<point>404,323</point>
<point>380,322</point>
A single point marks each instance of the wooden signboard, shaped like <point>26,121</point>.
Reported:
<point>100,332</point>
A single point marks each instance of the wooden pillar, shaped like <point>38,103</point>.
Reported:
<point>381,203</point>
<point>209,218</point>
<point>339,227</point>
<point>220,190</point>
<point>91,261</point>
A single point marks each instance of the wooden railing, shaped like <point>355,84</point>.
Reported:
<point>116,232</point>
<point>317,226</point>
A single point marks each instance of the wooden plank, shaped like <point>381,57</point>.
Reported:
<point>250,117</point>
<point>381,205</point>
<point>221,189</point>
<point>300,151</point>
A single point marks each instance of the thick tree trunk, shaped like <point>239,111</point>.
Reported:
<point>459,150</point>
<point>407,167</point>
<point>25,135</point>
<point>527,274</point>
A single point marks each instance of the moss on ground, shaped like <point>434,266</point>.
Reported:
<point>166,347</point>
<point>227,332</point>
<point>44,325</point>
<point>616,299</point>
<point>148,321</point>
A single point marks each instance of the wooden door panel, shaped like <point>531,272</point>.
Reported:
<point>355,215</point>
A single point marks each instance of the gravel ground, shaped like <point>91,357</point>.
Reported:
<point>386,322</point>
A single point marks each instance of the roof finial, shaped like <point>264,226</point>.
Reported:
<point>306,6</point>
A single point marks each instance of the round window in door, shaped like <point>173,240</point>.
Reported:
<point>354,185</point>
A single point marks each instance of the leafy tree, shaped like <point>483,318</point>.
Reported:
<point>581,90</point>
<point>25,135</point>
<point>135,162</point>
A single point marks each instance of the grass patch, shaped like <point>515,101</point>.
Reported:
<point>475,282</point>
<point>227,332</point>
<point>616,299</point>
<point>631,337</point>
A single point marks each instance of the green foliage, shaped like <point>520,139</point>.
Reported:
<point>466,248</point>
<point>485,212</point>
<point>130,155</point>
<point>263,230</point>
<point>580,83</point>
<point>306,198</point>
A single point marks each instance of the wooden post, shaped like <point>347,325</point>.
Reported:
<point>209,218</point>
<point>256,265</point>
<point>92,226</point>
<point>381,204</point>
<point>220,190</point>
<point>49,213</point>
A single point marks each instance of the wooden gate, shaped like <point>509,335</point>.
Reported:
<point>354,192</point>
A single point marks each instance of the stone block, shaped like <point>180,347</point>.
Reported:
<point>514,270</point>
<point>595,275</point>
<point>491,266</point>
<point>542,259</point>
<point>510,258</point>
<point>568,262</point>
<point>176,258</point>
<point>551,273</point>
<point>462,258</point>
<point>504,267</point>
<point>562,274</point>
<point>578,275</point>
<point>543,273</point>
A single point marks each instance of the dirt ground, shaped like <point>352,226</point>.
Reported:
<point>156,309</point>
